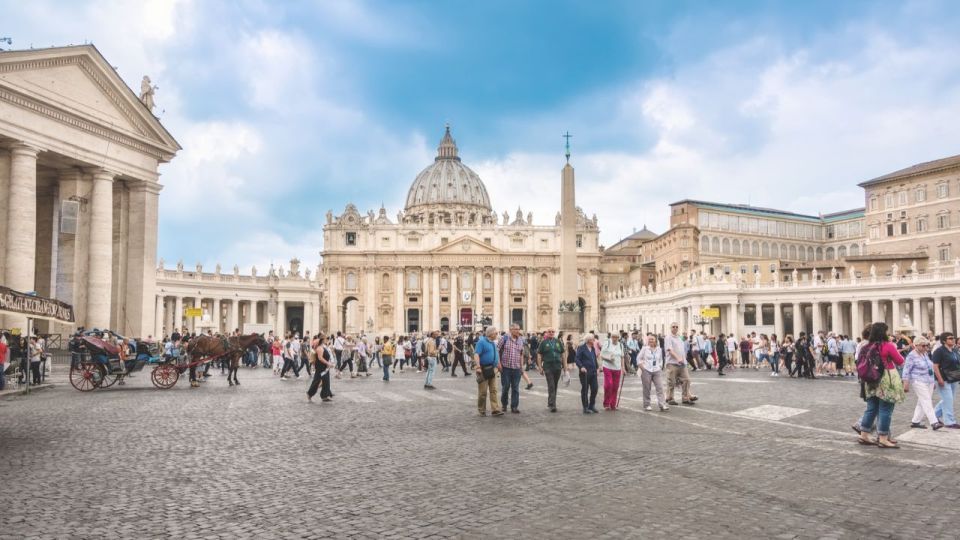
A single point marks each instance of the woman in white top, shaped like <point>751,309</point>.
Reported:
<point>612,358</point>
<point>773,349</point>
<point>650,360</point>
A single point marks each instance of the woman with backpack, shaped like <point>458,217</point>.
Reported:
<point>880,386</point>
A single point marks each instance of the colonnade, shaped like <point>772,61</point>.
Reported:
<point>224,314</point>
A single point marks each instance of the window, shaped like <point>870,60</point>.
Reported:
<point>888,200</point>
<point>766,314</point>
<point>750,315</point>
<point>488,241</point>
<point>921,225</point>
<point>487,282</point>
<point>726,270</point>
<point>413,280</point>
<point>444,282</point>
<point>579,240</point>
<point>444,241</point>
<point>902,198</point>
<point>413,240</point>
<point>873,204</point>
<point>903,227</point>
<point>466,281</point>
<point>831,232</point>
<point>920,194</point>
<point>943,253</point>
<point>756,268</point>
<point>943,190</point>
<point>544,243</point>
<point>943,221</point>
<point>351,238</point>
<point>351,281</point>
<point>890,229</point>
<point>773,268</point>
<point>517,242</point>
<point>516,282</point>
<point>743,269</point>
<point>875,232</point>
<point>714,221</point>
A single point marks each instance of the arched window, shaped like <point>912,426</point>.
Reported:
<point>413,280</point>
<point>736,246</point>
<point>726,246</point>
<point>854,250</point>
<point>830,253</point>
<point>715,245</point>
<point>793,253</point>
<point>544,282</point>
<point>487,282</point>
<point>444,282</point>
<point>809,253</point>
<point>466,280</point>
<point>764,249</point>
<point>704,244</point>
<point>755,248</point>
<point>841,252</point>
<point>351,281</point>
<point>819,253</point>
<point>517,281</point>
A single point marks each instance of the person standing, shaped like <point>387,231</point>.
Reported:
<point>387,353</point>
<point>650,361</point>
<point>946,366</point>
<point>487,364</point>
<point>918,374</point>
<point>511,366</point>
<point>321,371</point>
<point>459,356</point>
<point>722,358</point>
<point>430,349</point>
<point>587,364</point>
<point>633,349</point>
<point>677,367</point>
<point>338,344</point>
<point>3,361</point>
<point>551,362</point>
<point>611,356</point>
<point>883,395</point>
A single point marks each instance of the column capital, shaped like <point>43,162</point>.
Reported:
<point>23,149</point>
<point>99,173</point>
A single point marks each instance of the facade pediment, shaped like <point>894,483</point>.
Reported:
<point>465,246</point>
<point>76,86</point>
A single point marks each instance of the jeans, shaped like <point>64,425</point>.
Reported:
<point>945,409</point>
<point>588,381</point>
<point>880,411</point>
<point>510,380</point>
<point>774,362</point>
<point>431,369</point>
<point>386,361</point>
<point>3,376</point>
<point>553,378</point>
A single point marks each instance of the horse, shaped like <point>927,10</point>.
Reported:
<point>229,348</point>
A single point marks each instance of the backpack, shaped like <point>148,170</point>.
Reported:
<point>870,366</point>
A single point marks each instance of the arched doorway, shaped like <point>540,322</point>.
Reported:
<point>350,315</point>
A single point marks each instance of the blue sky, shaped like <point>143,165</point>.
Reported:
<point>288,109</point>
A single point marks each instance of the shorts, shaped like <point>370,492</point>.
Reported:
<point>837,360</point>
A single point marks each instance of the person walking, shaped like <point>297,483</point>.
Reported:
<point>946,368</point>
<point>722,355</point>
<point>611,357</point>
<point>677,367</point>
<point>321,371</point>
<point>459,356</point>
<point>487,364</point>
<point>387,353</point>
<point>586,361</point>
<point>882,396</point>
<point>510,348</point>
<point>551,362</point>
<point>651,362</point>
<point>430,350</point>
<point>918,374</point>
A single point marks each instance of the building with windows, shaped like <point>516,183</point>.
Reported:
<point>448,261</point>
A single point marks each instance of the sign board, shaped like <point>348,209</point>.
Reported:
<point>33,306</point>
<point>193,312</point>
<point>710,313</point>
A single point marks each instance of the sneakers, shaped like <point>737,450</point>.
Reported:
<point>497,413</point>
<point>917,425</point>
<point>664,408</point>
<point>671,402</point>
<point>429,387</point>
<point>647,408</point>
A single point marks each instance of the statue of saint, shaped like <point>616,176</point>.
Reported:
<point>895,270</point>
<point>253,271</point>
<point>793,275</point>
<point>180,265</point>
<point>873,271</point>
<point>329,217</point>
<point>529,218</point>
<point>506,217</point>
<point>557,220</point>
<point>236,270</point>
<point>160,264</point>
<point>851,273</point>
<point>199,268</point>
<point>146,93</point>
<point>913,267</point>
<point>217,269</point>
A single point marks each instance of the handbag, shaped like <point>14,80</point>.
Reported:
<point>890,387</point>
<point>488,372</point>
<point>951,374</point>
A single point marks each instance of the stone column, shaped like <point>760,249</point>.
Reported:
<point>778,320</point>
<point>159,300</point>
<point>897,321</point>
<point>399,317</point>
<point>477,291</point>
<point>937,314</point>
<point>234,313</point>
<point>915,315</point>
<point>531,322</point>
<point>797,319</point>
<point>216,318</point>
<point>947,316</point>
<point>741,327</point>
<point>5,207</point>
<point>836,324</point>
<point>100,273</point>
<point>424,299</point>
<point>281,317</point>
<point>333,301</point>
<point>197,303</point>
<point>956,315</point>
<point>454,301</point>
<point>435,301</point>
<point>856,319</point>
<point>817,318</point>
<point>497,297</point>
<point>21,215</point>
<point>177,314</point>
<point>875,311</point>
<point>370,301</point>
<point>141,255</point>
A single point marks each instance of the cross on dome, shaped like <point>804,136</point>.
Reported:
<point>448,147</point>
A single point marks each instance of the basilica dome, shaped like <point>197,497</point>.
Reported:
<point>448,184</point>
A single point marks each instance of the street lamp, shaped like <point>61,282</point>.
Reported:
<point>701,321</point>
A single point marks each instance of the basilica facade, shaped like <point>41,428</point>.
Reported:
<point>448,261</point>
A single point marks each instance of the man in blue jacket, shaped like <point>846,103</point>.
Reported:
<point>587,363</point>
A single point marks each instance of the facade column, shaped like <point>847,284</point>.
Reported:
<point>741,327</point>
<point>896,321</point>
<point>234,313</point>
<point>424,299</point>
<point>875,311</point>
<point>937,314</point>
<point>281,317</point>
<point>5,207</point>
<point>915,315</point>
<point>856,319</point>
<point>177,314</point>
<point>435,301</point>
<point>100,266</point>
<point>454,301</point>
<point>497,297</point>
<point>21,215</point>
<point>400,317</point>
<point>817,318</point>
<point>159,302</point>
<point>371,303</point>
<point>531,319</point>
<point>197,303</point>
<point>836,323</point>
<point>778,320</point>
<point>477,291</point>
<point>140,244</point>
<point>333,302</point>
<point>215,317</point>
<point>797,319</point>
<point>947,316</point>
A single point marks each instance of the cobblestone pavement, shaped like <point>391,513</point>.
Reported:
<point>756,458</point>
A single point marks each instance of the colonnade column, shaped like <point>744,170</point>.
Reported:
<point>21,229</point>
<point>100,266</point>
<point>915,315</point>
<point>454,301</point>
<point>436,299</point>
<point>874,311</point>
<point>956,315</point>
<point>234,312</point>
<point>477,291</point>
<point>778,320</point>
<point>281,317</point>
<point>424,298</point>
<point>5,207</point>
<point>216,318</point>
<point>399,316</point>
<point>896,321</point>
<point>817,318</point>
<point>938,314</point>
<point>177,314</point>
<point>856,319</point>
<point>158,316</point>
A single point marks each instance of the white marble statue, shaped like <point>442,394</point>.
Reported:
<point>873,271</point>
<point>217,269</point>
<point>556,220</point>
<point>329,217</point>
<point>236,270</point>
<point>794,275</point>
<point>160,264</point>
<point>506,217</point>
<point>851,273</point>
<point>895,270</point>
<point>529,218</point>
<point>146,93</point>
<point>180,265</point>
<point>756,277</point>
<point>199,268</point>
<point>913,268</point>
<point>833,273</point>
<point>253,271</point>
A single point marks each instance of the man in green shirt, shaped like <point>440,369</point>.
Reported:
<point>551,361</point>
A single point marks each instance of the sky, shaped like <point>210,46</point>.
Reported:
<point>288,109</point>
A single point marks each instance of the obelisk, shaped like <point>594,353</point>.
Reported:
<point>568,308</point>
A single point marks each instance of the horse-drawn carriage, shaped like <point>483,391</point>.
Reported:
<point>100,359</point>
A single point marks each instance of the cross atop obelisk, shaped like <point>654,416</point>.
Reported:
<point>567,136</point>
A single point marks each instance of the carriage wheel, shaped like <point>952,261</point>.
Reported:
<point>109,379</point>
<point>165,376</point>
<point>86,376</point>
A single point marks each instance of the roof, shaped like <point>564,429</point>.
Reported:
<point>447,181</point>
<point>773,212</point>
<point>919,168</point>
<point>642,234</point>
